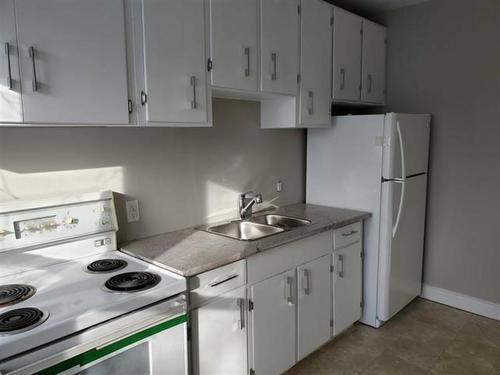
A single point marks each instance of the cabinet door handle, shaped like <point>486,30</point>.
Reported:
<point>307,279</point>
<point>274,61</point>
<point>310,105</point>
<point>9,70</point>
<point>225,280</point>
<point>241,306</point>
<point>370,83</point>
<point>144,98</point>
<point>348,234</point>
<point>341,266</point>
<point>194,103</point>
<point>34,82</point>
<point>246,52</point>
<point>342,82</point>
<point>289,298</point>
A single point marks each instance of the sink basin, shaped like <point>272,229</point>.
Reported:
<point>284,222</point>
<point>244,230</point>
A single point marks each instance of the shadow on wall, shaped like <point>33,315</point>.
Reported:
<point>181,177</point>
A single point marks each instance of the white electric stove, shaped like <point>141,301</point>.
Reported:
<point>71,303</point>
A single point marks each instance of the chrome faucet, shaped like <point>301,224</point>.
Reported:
<point>245,203</point>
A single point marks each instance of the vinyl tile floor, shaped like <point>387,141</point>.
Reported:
<point>425,338</point>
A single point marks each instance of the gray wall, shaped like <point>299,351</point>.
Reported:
<point>444,58</point>
<point>182,177</point>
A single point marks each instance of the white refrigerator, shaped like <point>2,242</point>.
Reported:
<point>377,163</point>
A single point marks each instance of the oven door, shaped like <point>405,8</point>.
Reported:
<point>151,341</point>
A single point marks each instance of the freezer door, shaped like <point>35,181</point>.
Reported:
<point>401,244</point>
<point>406,145</point>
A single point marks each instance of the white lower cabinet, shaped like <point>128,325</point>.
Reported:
<point>272,322</point>
<point>314,306</point>
<point>347,284</point>
<point>220,335</point>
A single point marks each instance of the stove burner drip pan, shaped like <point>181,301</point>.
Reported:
<point>106,265</point>
<point>132,281</point>
<point>21,320</point>
<point>14,293</point>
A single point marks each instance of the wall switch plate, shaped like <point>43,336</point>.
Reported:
<point>132,211</point>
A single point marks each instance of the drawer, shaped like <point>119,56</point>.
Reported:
<point>347,235</point>
<point>210,284</point>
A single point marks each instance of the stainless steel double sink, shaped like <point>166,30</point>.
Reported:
<point>257,227</point>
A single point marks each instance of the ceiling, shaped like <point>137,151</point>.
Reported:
<point>373,6</point>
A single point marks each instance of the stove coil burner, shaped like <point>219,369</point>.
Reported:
<point>15,293</point>
<point>106,265</point>
<point>21,320</point>
<point>132,281</point>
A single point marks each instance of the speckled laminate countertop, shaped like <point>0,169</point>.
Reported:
<point>191,251</point>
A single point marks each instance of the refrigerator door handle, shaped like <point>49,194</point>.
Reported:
<point>400,208</point>
<point>402,151</point>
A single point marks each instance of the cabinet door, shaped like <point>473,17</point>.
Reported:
<point>373,63</point>
<point>347,286</point>
<point>10,84</point>
<point>347,29</point>
<point>273,324</point>
<point>233,42</point>
<point>220,335</point>
<point>175,61</point>
<point>315,63</point>
<point>279,32</point>
<point>314,305</point>
<point>73,61</point>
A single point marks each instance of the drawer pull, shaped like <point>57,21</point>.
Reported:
<point>347,234</point>
<point>219,282</point>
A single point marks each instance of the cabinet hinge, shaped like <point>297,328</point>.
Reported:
<point>130,106</point>
<point>331,323</point>
<point>385,40</point>
<point>189,333</point>
<point>252,371</point>
<point>332,268</point>
<point>299,78</point>
<point>299,9</point>
<point>331,21</point>
<point>361,304</point>
<point>250,305</point>
<point>361,31</point>
<point>210,65</point>
<point>362,254</point>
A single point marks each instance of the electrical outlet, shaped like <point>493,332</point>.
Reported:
<point>132,211</point>
<point>279,186</point>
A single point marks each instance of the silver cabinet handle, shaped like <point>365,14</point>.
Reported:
<point>342,74</point>
<point>348,234</point>
<point>225,280</point>
<point>144,98</point>
<point>32,53</point>
<point>307,286</point>
<point>370,83</point>
<point>310,104</point>
<point>341,266</point>
<point>289,298</point>
<point>9,70</point>
<point>274,61</point>
<point>246,52</point>
<point>241,306</point>
<point>194,103</point>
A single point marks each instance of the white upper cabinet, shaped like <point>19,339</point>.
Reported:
<point>347,40</point>
<point>73,61</point>
<point>175,63</point>
<point>279,45</point>
<point>315,63</point>
<point>373,66</point>
<point>234,44</point>
<point>10,84</point>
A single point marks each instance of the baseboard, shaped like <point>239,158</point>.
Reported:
<point>461,301</point>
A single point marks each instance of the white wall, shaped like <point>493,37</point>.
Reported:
<point>444,58</point>
<point>182,177</point>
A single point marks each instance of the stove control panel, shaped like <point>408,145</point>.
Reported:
<point>45,225</point>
